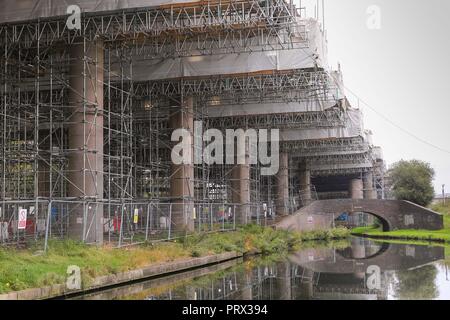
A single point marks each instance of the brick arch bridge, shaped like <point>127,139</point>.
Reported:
<point>393,214</point>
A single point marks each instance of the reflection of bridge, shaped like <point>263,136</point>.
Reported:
<point>388,258</point>
<point>393,214</point>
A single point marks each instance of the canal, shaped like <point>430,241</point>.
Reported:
<point>357,269</point>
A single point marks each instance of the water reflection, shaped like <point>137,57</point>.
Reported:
<point>363,269</point>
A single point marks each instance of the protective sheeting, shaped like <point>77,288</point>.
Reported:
<point>20,10</point>
<point>354,119</point>
<point>377,153</point>
<point>318,46</point>
<point>268,108</point>
<point>318,133</point>
<point>369,137</point>
<point>353,128</point>
<point>221,64</point>
<point>339,80</point>
<point>310,55</point>
<point>340,166</point>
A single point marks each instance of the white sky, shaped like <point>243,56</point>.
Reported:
<point>401,70</point>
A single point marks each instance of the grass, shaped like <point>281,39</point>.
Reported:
<point>415,235</point>
<point>27,268</point>
<point>21,269</point>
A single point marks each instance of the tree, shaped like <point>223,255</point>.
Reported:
<point>412,181</point>
<point>417,284</point>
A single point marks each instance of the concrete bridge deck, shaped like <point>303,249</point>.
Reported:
<point>393,214</point>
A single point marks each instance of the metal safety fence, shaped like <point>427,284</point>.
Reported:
<point>36,222</point>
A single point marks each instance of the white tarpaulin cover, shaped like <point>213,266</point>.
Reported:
<point>369,136</point>
<point>317,133</point>
<point>377,153</point>
<point>19,10</point>
<point>268,108</point>
<point>311,55</point>
<point>340,166</point>
<point>353,128</point>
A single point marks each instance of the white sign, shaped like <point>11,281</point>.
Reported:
<point>310,219</point>
<point>22,219</point>
<point>409,220</point>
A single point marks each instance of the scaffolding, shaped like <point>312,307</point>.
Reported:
<point>86,120</point>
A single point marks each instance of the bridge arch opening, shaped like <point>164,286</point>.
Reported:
<point>362,219</point>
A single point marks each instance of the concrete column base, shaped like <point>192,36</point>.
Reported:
<point>182,175</point>
<point>356,189</point>
<point>241,192</point>
<point>282,181</point>
<point>305,185</point>
<point>85,168</point>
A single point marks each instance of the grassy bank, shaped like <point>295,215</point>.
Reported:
<point>22,269</point>
<point>415,235</point>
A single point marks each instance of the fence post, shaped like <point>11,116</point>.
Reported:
<point>199,217</point>
<point>121,225</point>
<point>85,208</point>
<point>148,218</point>
<point>234,217</point>
<point>170,221</point>
<point>36,219</point>
<point>211,216</point>
<point>223,217</point>
<point>258,218</point>
<point>47,227</point>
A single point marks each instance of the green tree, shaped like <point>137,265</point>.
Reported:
<point>412,181</point>
<point>417,284</point>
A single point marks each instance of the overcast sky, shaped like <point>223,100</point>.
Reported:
<point>402,70</point>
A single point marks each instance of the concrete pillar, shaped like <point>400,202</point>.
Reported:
<point>358,248</point>
<point>247,286</point>
<point>306,286</point>
<point>182,175</point>
<point>305,185</point>
<point>369,191</point>
<point>282,181</point>
<point>285,283</point>
<point>85,168</point>
<point>240,185</point>
<point>356,189</point>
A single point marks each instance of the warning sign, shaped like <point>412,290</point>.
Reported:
<point>22,219</point>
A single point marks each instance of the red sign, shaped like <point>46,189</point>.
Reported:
<point>22,219</point>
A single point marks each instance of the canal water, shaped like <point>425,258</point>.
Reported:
<point>358,269</point>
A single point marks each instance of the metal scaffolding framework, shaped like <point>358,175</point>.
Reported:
<point>86,145</point>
